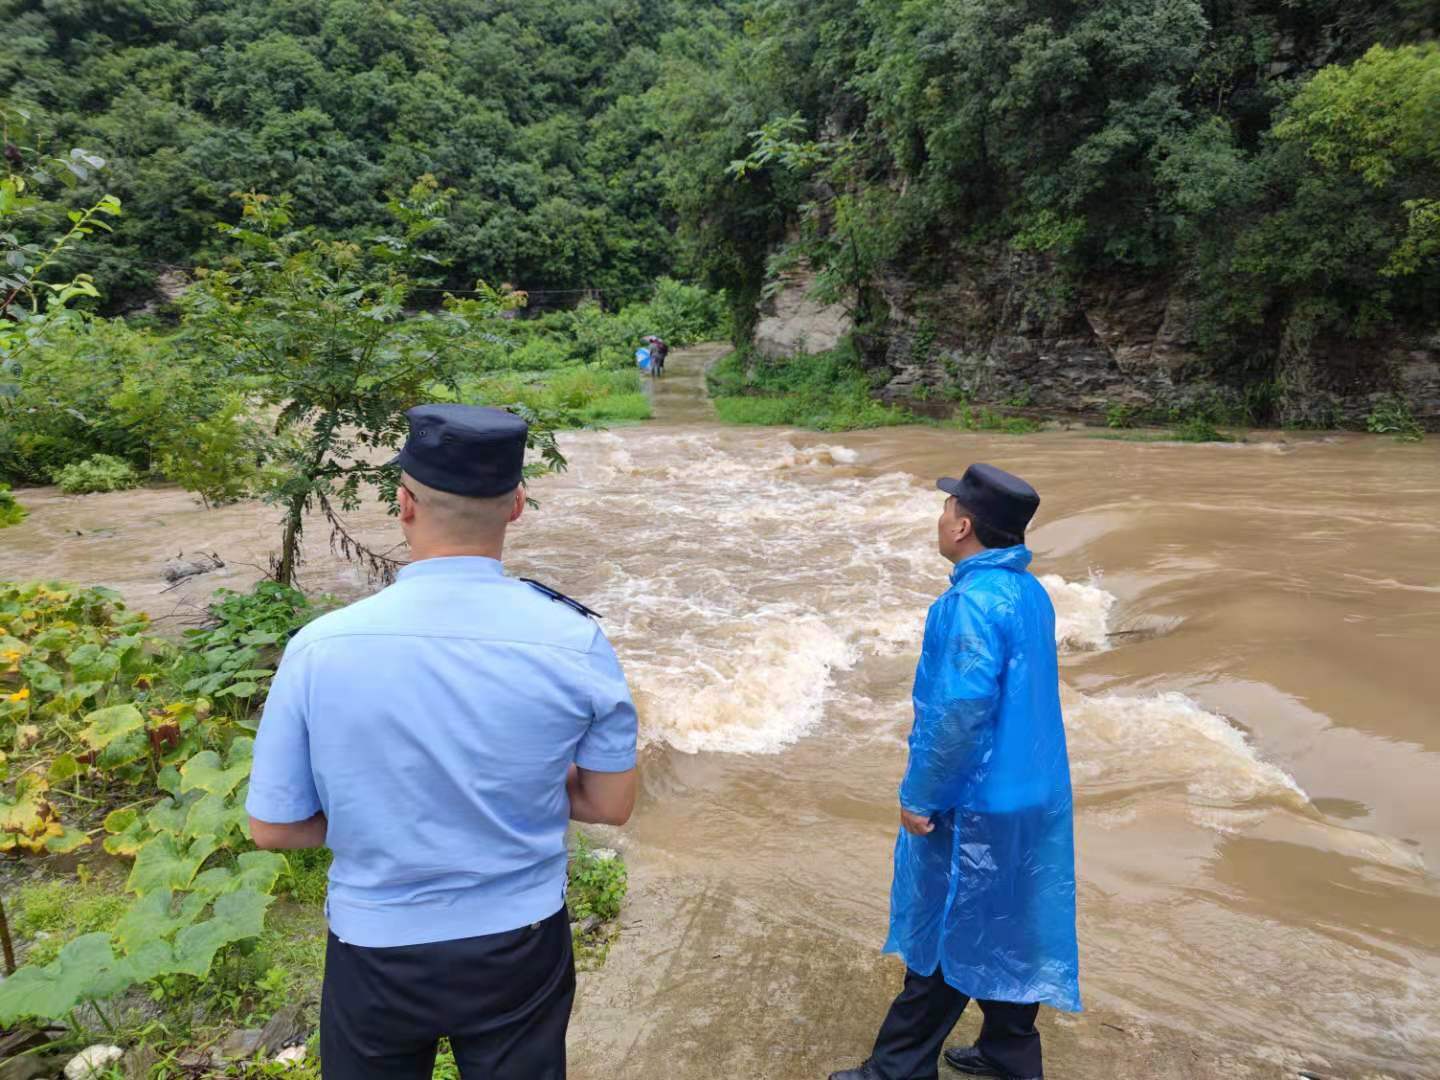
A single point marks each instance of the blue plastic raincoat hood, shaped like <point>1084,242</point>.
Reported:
<point>989,895</point>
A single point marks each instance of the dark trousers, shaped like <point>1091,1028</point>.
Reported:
<point>921,1018</point>
<point>503,1000</point>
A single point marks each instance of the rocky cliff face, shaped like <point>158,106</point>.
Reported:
<point>793,323</point>
<point>1008,331</point>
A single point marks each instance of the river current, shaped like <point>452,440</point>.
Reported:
<point>1249,638</point>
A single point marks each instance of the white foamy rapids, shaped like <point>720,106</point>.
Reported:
<point>1119,742</point>
<point>767,693</point>
<point>740,578</point>
<point>1082,612</point>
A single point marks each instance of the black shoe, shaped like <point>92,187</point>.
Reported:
<point>969,1059</point>
<point>864,1072</point>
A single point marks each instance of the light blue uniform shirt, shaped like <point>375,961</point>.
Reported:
<point>434,723</point>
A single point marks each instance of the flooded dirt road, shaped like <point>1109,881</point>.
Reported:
<point>1249,635</point>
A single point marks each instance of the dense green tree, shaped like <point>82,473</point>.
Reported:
<point>535,112</point>
<point>1278,158</point>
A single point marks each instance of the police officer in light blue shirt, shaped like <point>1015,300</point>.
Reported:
<point>437,737</point>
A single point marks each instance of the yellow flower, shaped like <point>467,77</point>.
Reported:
<point>10,655</point>
<point>19,695</point>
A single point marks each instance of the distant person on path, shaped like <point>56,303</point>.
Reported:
<point>658,351</point>
<point>437,737</point>
<point>983,901</point>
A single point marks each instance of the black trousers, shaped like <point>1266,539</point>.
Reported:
<point>921,1018</point>
<point>503,1000</point>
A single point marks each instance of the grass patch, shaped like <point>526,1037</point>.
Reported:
<point>618,409</point>
<point>309,870</point>
<point>968,418</point>
<point>1200,431</point>
<point>823,392</point>
<point>292,949</point>
<point>63,909</point>
<point>583,394</point>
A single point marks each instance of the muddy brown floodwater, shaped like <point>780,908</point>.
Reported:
<point>1251,658</point>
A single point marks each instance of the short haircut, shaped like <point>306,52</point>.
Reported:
<point>987,535</point>
<point>461,516</point>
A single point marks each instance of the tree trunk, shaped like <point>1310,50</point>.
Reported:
<point>5,942</point>
<point>290,546</point>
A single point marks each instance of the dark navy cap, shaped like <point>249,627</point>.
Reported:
<point>997,498</point>
<point>465,449</point>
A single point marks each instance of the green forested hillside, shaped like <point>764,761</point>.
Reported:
<point>534,111</point>
<point>1279,159</point>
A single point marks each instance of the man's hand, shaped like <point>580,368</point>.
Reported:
<point>916,824</point>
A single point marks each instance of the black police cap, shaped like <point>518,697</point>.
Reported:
<point>995,497</point>
<point>465,449</point>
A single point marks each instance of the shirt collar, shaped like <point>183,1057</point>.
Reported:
<point>451,566</point>
<point>1015,558</point>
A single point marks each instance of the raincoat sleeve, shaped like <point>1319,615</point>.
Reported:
<point>957,692</point>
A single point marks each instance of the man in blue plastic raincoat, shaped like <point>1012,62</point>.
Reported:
<point>983,901</point>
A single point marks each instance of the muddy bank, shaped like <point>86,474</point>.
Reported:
<point>705,982</point>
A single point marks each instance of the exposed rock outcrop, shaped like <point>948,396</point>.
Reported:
<point>1010,330</point>
<point>793,322</point>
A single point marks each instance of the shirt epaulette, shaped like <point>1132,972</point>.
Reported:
<point>555,594</point>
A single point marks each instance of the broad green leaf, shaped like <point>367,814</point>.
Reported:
<point>149,960</point>
<point>67,841</point>
<point>72,699</point>
<point>169,780</point>
<point>215,815</point>
<point>161,864</point>
<point>131,746</point>
<point>126,842</point>
<point>107,725</point>
<point>203,771</point>
<point>82,654</point>
<point>43,679</point>
<point>86,969</point>
<point>148,918</point>
<point>239,689</point>
<point>168,815</point>
<point>238,915</point>
<point>260,870</point>
<point>63,768</point>
<point>57,637</point>
<point>117,821</point>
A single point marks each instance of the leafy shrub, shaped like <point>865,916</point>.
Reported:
<point>987,419</point>
<point>598,882</point>
<point>218,458</point>
<point>824,391</point>
<point>573,395</point>
<point>1120,415</point>
<point>232,662</point>
<point>99,472</point>
<point>1197,428</point>
<point>11,512</point>
<point>1393,417</point>
<point>100,386</point>
<point>88,700</point>
<point>684,314</point>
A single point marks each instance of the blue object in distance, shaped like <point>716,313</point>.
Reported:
<point>642,357</point>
